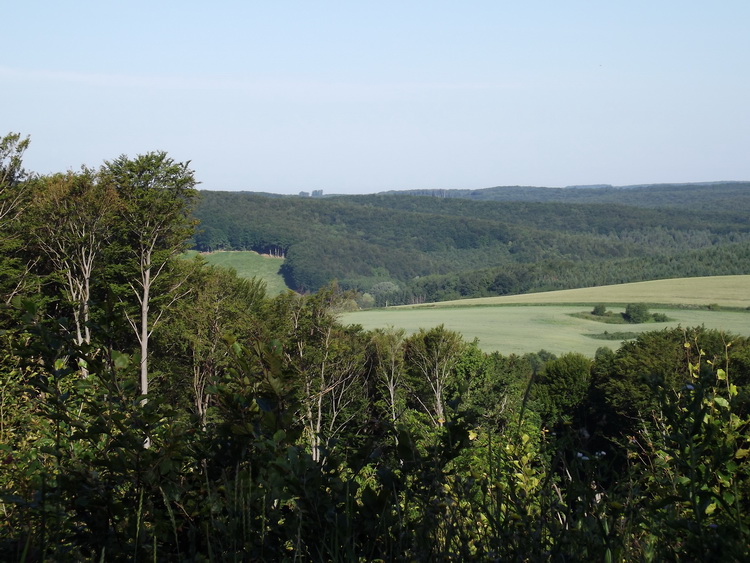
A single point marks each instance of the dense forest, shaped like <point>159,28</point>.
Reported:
<point>400,248</point>
<point>163,409</point>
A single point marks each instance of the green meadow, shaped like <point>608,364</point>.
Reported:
<point>250,264</point>
<point>527,323</point>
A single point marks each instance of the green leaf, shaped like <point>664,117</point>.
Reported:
<point>121,361</point>
<point>722,402</point>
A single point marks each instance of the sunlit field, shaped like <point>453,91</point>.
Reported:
<point>726,291</point>
<point>528,323</point>
<point>251,264</point>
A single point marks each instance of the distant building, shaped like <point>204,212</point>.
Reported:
<point>317,193</point>
<point>304,194</point>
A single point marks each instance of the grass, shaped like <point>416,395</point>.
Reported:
<point>250,264</point>
<point>527,323</point>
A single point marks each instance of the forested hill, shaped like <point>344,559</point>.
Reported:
<point>404,248</point>
<point>717,196</point>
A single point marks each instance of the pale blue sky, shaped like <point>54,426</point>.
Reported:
<point>356,97</point>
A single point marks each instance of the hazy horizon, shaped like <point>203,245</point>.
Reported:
<point>362,98</point>
<point>577,186</point>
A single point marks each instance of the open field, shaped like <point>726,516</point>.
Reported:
<point>726,291</point>
<point>528,323</point>
<point>250,264</point>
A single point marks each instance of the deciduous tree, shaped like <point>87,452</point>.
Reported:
<point>157,195</point>
<point>73,216</point>
<point>221,306</point>
<point>432,355</point>
<point>388,350</point>
<point>12,175</point>
<point>330,361</point>
<point>13,194</point>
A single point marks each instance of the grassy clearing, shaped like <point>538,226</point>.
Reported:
<point>528,323</point>
<point>249,264</point>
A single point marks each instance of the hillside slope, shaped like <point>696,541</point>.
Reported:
<point>410,249</point>
<point>723,291</point>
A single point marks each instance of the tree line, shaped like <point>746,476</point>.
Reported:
<point>708,196</point>
<point>155,407</point>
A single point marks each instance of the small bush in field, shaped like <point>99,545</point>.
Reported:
<point>637,313</point>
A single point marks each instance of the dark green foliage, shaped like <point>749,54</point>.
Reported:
<point>623,382</point>
<point>436,249</point>
<point>274,433</point>
<point>491,377</point>
<point>561,387</point>
<point>192,346</point>
<point>695,454</point>
<point>244,482</point>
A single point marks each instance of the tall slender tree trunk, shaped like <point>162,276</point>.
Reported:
<point>144,332</point>
<point>144,342</point>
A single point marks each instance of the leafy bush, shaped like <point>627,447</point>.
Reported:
<point>693,466</point>
<point>637,313</point>
<point>561,387</point>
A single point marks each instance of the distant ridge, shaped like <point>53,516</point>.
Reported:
<point>714,195</point>
<point>685,184</point>
<point>659,185</point>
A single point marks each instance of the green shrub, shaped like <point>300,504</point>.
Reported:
<point>637,313</point>
<point>561,387</point>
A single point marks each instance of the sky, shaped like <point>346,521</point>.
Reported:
<point>359,97</point>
